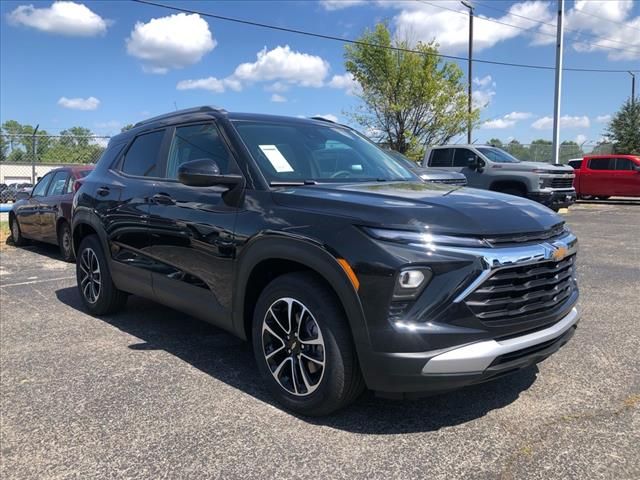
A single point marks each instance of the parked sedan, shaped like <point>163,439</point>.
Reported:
<point>45,215</point>
<point>429,174</point>
<point>9,194</point>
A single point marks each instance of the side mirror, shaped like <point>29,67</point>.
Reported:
<point>205,172</point>
<point>636,167</point>
<point>475,163</point>
<point>21,195</point>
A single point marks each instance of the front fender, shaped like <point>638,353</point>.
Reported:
<point>276,245</point>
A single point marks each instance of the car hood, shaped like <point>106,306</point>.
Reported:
<point>430,174</point>
<point>419,206</point>
<point>529,166</point>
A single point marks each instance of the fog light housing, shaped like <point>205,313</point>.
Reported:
<point>410,282</point>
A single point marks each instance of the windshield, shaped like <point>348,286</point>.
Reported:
<point>497,155</point>
<point>305,152</point>
<point>402,160</point>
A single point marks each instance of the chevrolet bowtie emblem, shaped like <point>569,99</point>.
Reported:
<point>559,253</point>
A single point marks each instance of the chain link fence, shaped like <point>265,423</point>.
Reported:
<point>543,152</point>
<point>25,158</point>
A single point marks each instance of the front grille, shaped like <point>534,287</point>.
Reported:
<point>537,237</point>
<point>452,181</point>
<point>561,182</point>
<point>514,293</point>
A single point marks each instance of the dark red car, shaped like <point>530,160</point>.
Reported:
<point>604,176</point>
<point>46,214</point>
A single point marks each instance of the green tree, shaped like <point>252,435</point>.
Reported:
<point>4,148</point>
<point>624,129</point>
<point>12,129</point>
<point>515,148</point>
<point>128,126</point>
<point>496,142</point>
<point>570,149</point>
<point>409,99</point>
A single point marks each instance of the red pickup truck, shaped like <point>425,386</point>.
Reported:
<point>604,176</point>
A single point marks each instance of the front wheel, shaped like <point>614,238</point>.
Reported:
<point>99,295</point>
<point>303,346</point>
<point>16,233</point>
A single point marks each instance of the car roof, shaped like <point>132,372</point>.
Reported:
<point>465,145</point>
<point>207,112</point>
<point>73,168</point>
<point>611,155</point>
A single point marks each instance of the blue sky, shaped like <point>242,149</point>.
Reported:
<point>105,64</point>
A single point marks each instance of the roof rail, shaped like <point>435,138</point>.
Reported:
<point>205,108</point>
<point>322,119</point>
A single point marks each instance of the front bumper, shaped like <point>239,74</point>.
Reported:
<point>464,365</point>
<point>555,198</point>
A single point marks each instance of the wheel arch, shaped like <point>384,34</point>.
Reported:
<point>500,185</point>
<point>266,258</point>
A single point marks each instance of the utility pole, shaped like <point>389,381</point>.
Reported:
<point>558,91</point>
<point>633,88</point>
<point>33,155</point>
<point>468,4</point>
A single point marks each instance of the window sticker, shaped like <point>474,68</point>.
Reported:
<point>276,158</point>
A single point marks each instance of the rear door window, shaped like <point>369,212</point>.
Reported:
<point>441,157</point>
<point>602,163</point>
<point>141,160</point>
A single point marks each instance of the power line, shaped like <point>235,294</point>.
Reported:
<point>606,19</point>
<point>358,42</point>
<point>579,32</point>
<point>492,20</point>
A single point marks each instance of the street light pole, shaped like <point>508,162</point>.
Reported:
<point>633,88</point>
<point>468,4</point>
<point>558,91</point>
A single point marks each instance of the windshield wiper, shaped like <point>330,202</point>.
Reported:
<point>292,183</point>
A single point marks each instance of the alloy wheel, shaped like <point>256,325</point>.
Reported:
<point>293,346</point>
<point>90,279</point>
<point>66,242</point>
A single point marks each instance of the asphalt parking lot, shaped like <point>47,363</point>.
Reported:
<point>150,393</point>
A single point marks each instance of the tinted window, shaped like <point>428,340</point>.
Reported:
<point>440,157</point>
<point>602,164</point>
<point>58,183</point>
<point>624,164</point>
<point>575,163</point>
<point>142,157</point>
<point>195,142</point>
<point>461,157</point>
<point>40,189</point>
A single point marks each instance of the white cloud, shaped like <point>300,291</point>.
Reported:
<point>170,42</point>
<point>281,65</point>
<point>420,21</point>
<point>580,139</point>
<point>212,84</point>
<point>498,123</point>
<point>345,81</point>
<point>284,65</point>
<point>507,121</point>
<point>340,4</point>
<point>518,115</point>
<point>566,121</point>
<point>484,81</point>
<point>278,98</point>
<point>90,103</point>
<point>64,18</point>
<point>603,118</point>
<point>328,116</point>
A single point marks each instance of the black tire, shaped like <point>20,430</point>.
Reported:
<point>104,298</point>
<point>16,232</point>
<point>340,381</point>
<point>65,242</point>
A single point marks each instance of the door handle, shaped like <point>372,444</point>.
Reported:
<point>103,191</point>
<point>163,199</point>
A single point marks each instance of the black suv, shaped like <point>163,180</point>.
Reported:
<point>342,268</point>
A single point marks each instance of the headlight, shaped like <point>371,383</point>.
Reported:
<point>423,238</point>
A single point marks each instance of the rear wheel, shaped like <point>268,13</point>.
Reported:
<point>99,295</point>
<point>16,233</point>
<point>65,243</point>
<point>303,346</point>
